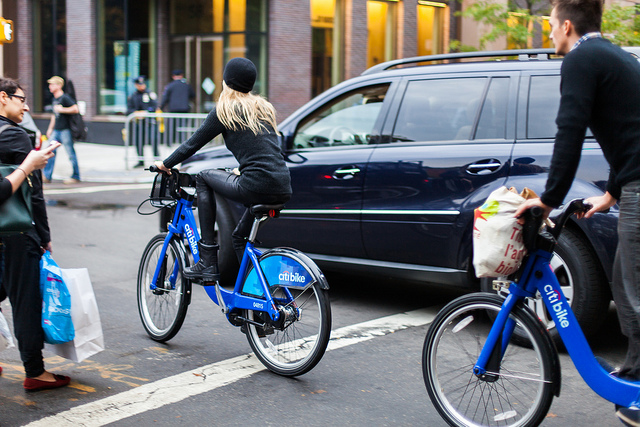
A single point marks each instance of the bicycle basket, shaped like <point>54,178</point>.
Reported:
<point>163,192</point>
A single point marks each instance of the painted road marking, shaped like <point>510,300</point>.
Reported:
<point>97,189</point>
<point>210,377</point>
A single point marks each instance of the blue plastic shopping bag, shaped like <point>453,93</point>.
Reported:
<point>56,303</point>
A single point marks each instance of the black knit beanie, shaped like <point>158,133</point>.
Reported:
<point>240,74</point>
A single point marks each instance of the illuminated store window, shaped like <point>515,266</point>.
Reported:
<point>327,44</point>
<point>126,49</point>
<point>432,21</point>
<point>205,34</point>
<point>382,25</point>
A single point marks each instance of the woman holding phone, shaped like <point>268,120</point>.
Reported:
<point>22,252</point>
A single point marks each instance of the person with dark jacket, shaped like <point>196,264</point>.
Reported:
<point>248,124</point>
<point>143,100</point>
<point>599,90</point>
<point>177,94</point>
<point>22,252</point>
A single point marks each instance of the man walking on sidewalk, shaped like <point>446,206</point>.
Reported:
<point>60,129</point>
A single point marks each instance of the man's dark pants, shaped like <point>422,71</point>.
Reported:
<point>626,276</point>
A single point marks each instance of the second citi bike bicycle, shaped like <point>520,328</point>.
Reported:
<point>478,372</point>
<point>280,298</point>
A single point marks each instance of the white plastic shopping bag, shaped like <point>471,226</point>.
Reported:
<point>6,340</point>
<point>86,318</point>
<point>498,247</point>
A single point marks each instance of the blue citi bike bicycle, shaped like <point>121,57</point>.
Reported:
<point>489,361</point>
<point>280,298</point>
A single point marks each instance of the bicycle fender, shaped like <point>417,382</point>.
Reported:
<point>556,371</point>
<point>285,266</point>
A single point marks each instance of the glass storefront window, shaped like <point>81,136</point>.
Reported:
<point>326,44</point>
<point>382,25</point>
<point>205,34</point>
<point>49,48</point>
<point>126,49</point>
<point>432,19</point>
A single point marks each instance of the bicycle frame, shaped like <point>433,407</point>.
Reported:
<point>538,276</point>
<point>184,226</point>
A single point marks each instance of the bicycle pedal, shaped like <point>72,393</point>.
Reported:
<point>498,285</point>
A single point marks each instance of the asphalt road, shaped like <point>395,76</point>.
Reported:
<point>377,380</point>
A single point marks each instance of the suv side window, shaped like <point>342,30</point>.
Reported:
<point>493,118</point>
<point>439,109</point>
<point>544,101</point>
<point>347,120</point>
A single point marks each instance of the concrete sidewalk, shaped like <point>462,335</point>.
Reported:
<point>104,163</point>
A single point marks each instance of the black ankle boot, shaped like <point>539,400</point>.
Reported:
<point>207,268</point>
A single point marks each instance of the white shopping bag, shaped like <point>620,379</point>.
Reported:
<point>86,318</point>
<point>498,247</point>
<point>6,340</point>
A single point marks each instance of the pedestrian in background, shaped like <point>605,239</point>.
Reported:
<point>22,252</point>
<point>177,94</point>
<point>143,128</point>
<point>599,90</point>
<point>60,129</point>
<point>175,99</point>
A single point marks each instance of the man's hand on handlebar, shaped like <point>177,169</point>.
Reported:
<point>161,167</point>
<point>598,204</point>
<point>528,204</point>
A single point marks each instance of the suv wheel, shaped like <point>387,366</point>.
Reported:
<point>582,281</point>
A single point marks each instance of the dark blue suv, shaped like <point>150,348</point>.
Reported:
<point>388,167</point>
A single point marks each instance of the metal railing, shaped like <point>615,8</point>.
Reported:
<point>146,129</point>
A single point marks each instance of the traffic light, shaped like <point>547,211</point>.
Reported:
<point>6,31</point>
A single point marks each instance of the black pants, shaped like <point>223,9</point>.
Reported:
<point>22,285</point>
<point>626,277</point>
<point>227,185</point>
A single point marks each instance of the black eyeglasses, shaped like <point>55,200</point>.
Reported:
<point>20,97</point>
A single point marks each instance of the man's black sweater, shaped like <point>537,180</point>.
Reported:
<point>600,89</point>
<point>262,166</point>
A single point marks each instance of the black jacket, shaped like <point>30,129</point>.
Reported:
<point>176,96</point>
<point>15,145</point>
<point>599,90</point>
<point>141,101</point>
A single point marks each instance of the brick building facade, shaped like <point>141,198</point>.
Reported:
<point>289,57</point>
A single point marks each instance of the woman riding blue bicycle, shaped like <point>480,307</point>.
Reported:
<point>247,123</point>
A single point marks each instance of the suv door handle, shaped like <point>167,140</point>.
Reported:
<point>346,173</point>
<point>483,167</point>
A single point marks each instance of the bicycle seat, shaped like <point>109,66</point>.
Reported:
<point>266,210</point>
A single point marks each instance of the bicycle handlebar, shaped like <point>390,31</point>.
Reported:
<point>533,221</point>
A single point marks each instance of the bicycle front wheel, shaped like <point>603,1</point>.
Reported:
<point>162,310</point>
<point>518,395</point>
<point>297,345</point>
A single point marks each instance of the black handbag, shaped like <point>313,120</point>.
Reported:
<point>16,215</point>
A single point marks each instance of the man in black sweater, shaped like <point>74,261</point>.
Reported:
<point>600,89</point>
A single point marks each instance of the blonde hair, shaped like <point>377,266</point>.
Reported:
<point>237,110</point>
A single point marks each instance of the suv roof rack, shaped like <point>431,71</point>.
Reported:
<point>522,54</point>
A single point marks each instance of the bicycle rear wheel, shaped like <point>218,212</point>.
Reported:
<point>295,347</point>
<point>519,395</point>
<point>163,309</point>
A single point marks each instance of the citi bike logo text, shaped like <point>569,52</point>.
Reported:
<point>191,237</point>
<point>554,299</point>
<point>291,277</point>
